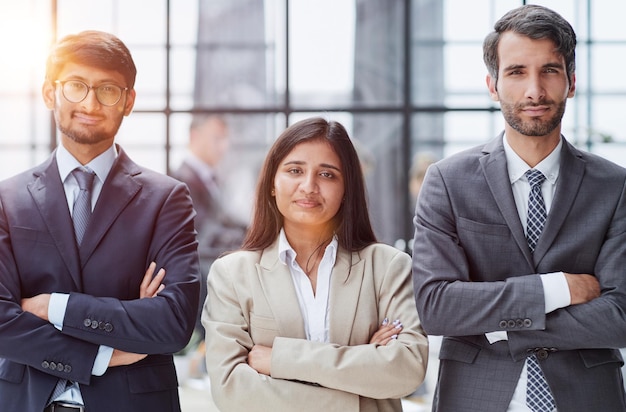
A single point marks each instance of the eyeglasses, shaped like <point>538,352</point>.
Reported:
<point>76,91</point>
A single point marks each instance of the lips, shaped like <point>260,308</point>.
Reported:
<point>86,118</point>
<point>306,203</point>
<point>535,111</point>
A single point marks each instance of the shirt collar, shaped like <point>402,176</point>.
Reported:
<point>518,167</point>
<point>287,254</point>
<point>101,165</point>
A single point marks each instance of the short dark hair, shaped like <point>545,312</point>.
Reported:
<point>536,22</point>
<point>92,48</point>
<point>352,223</point>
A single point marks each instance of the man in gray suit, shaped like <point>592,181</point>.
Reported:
<point>503,299</point>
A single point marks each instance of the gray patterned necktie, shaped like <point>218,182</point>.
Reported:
<point>536,208</point>
<point>82,206</point>
<point>538,395</point>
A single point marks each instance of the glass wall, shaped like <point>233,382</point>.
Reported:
<point>406,77</point>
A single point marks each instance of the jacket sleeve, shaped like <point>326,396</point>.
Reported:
<point>114,315</point>
<point>369,370</point>
<point>464,262</point>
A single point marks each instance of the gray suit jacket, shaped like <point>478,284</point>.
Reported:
<point>473,273</point>
<point>252,300</point>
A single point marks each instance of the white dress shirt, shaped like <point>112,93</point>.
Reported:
<point>555,289</point>
<point>101,166</point>
<point>313,305</point>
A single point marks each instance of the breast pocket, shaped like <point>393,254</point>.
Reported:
<point>263,329</point>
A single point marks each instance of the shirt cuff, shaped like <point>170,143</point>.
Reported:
<point>102,360</point>
<point>555,291</point>
<point>56,309</point>
<point>496,336</point>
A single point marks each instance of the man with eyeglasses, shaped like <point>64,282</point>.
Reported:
<point>99,278</point>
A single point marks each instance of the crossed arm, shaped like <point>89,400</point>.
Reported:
<point>150,286</point>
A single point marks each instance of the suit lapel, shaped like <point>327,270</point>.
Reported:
<point>117,192</point>
<point>345,288</point>
<point>278,287</point>
<point>49,196</point>
<point>571,172</point>
<point>497,176</point>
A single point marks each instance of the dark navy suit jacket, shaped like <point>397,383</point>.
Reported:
<point>140,216</point>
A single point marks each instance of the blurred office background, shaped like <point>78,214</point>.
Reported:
<point>406,77</point>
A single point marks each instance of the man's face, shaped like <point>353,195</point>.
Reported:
<point>88,122</point>
<point>211,141</point>
<point>532,86</point>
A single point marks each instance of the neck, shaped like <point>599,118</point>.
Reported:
<point>532,149</point>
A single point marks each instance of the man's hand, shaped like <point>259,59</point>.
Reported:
<point>260,359</point>
<point>37,305</point>
<point>120,358</point>
<point>582,287</point>
<point>150,287</point>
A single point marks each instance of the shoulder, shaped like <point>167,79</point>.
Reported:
<point>238,259</point>
<point>384,254</point>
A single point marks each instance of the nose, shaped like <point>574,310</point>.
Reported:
<point>309,183</point>
<point>90,101</point>
<point>535,90</point>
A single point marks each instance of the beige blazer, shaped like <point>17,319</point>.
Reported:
<point>251,300</point>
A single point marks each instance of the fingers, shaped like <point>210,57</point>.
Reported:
<point>150,286</point>
<point>387,331</point>
<point>148,276</point>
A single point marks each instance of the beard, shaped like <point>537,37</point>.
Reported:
<point>88,136</point>
<point>535,126</point>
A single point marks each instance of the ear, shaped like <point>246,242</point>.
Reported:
<point>48,91</point>
<point>130,101</point>
<point>493,88</point>
<point>572,87</point>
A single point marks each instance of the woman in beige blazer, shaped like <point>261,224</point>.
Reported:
<point>313,314</point>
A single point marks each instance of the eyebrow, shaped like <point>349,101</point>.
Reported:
<point>300,162</point>
<point>554,65</point>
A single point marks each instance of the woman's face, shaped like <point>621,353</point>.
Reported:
<point>309,185</point>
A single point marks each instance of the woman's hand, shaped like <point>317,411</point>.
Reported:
<point>260,359</point>
<point>387,332</point>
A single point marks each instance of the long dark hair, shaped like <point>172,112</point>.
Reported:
<point>353,227</point>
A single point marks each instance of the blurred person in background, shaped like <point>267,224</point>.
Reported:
<point>313,313</point>
<point>209,142</point>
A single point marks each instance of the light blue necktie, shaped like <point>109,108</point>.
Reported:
<point>538,395</point>
<point>81,212</point>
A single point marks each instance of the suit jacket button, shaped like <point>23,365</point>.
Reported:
<point>503,324</point>
<point>67,368</point>
<point>100,325</point>
<point>108,327</point>
<point>519,323</point>
<point>542,354</point>
<point>60,367</point>
<point>53,365</point>
<point>94,324</point>
<point>527,323</point>
<point>511,324</point>
<point>87,323</point>
<point>45,364</point>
